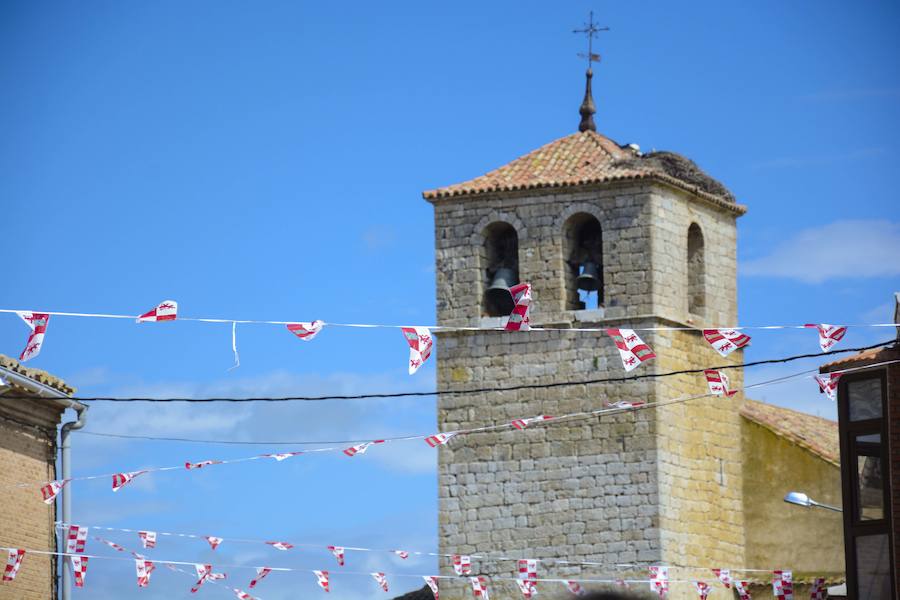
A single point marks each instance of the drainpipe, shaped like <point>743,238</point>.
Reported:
<point>42,390</point>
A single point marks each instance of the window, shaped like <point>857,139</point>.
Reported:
<point>696,270</point>
<point>500,263</point>
<point>867,527</point>
<point>583,256</point>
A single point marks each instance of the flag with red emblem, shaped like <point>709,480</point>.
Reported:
<point>402,554</point>
<point>726,341</point>
<point>79,569</point>
<point>281,545</point>
<point>148,538</point>
<point>702,589</point>
<point>201,464</point>
<point>322,579</point>
<point>462,565</point>
<point>14,560</point>
<point>76,538</point>
<point>37,322</point>
<point>204,574</point>
<point>724,576</point>
<point>741,587</point>
<point>361,448</point>
<point>282,456</point>
<point>524,423</point>
<point>528,588</point>
<point>112,545</point>
<point>718,383</point>
<point>828,384</point>
<point>338,552</point>
<point>50,490</point>
<point>261,573</point>
<point>783,585</point>
<point>119,480</point>
<point>575,588</point>
<point>518,319</point>
<point>143,568</point>
<point>817,591</point>
<point>213,541</point>
<point>381,580</point>
<point>659,580</point>
<point>306,331</point>
<point>420,345</point>
<point>632,349</point>
<point>439,439</point>
<point>433,584</point>
<point>242,595</point>
<point>829,335</point>
<point>625,404</point>
<point>167,310</point>
<point>479,588</point>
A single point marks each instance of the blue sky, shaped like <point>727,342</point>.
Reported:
<point>266,161</point>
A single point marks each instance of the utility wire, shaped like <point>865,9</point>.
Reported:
<point>482,390</point>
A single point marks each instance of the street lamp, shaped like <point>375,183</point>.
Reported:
<point>801,499</point>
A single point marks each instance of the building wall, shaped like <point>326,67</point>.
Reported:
<point>893,391</point>
<point>780,535</point>
<point>589,489</point>
<point>27,454</point>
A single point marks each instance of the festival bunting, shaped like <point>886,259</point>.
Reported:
<point>282,456</point>
<point>242,595</point>
<point>338,552</point>
<point>51,489</point>
<point>13,563</point>
<point>204,574</point>
<point>741,587</point>
<point>37,322</point>
<point>213,541</point>
<point>575,588</point>
<point>462,564</point>
<point>361,448</point>
<point>119,480</point>
<point>702,589</point>
<point>479,588</point>
<point>439,439</point>
<point>724,576</point>
<point>718,383</point>
<point>632,349</point>
<point>306,331</point>
<point>420,344</point>
<point>518,319</point>
<point>143,568</point>
<point>199,465</point>
<point>725,341</point>
<point>829,335</point>
<point>76,539</point>
<point>828,384</point>
<point>527,588</point>
<point>783,585</point>
<point>167,310</point>
<point>261,573</point>
<point>281,545</point>
<point>402,554</point>
<point>524,423</point>
<point>79,569</point>
<point>527,577</point>
<point>818,590</point>
<point>433,585</point>
<point>322,579</point>
<point>148,538</point>
<point>659,580</point>
<point>381,580</point>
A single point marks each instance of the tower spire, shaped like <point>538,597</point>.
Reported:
<point>587,108</point>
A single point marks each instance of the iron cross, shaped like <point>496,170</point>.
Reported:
<point>590,30</point>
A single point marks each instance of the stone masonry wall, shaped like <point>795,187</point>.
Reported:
<point>642,486</point>
<point>27,453</point>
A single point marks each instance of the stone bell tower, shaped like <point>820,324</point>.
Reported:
<point>608,237</point>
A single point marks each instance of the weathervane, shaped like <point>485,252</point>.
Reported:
<point>587,109</point>
<point>590,31</point>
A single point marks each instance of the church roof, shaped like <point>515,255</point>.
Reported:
<point>586,158</point>
<point>815,434</point>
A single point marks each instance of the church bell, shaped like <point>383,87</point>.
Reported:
<point>589,279</point>
<point>497,298</point>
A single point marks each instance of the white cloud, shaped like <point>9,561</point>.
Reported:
<point>852,248</point>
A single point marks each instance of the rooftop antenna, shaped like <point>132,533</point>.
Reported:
<point>587,109</point>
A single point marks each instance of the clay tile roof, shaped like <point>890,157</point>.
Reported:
<point>586,158</point>
<point>818,435</point>
<point>866,357</point>
<point>37,375</point>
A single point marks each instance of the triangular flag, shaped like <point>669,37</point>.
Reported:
<point>575,588</point>
<point>433,584</point>
<point>659,580</point>
<point>143,568</point>
<point>306,331</point>
<point>338,552</point>
<point>479,588</point>
<point>829,335</point>
<point>725,341</point>
<point>13,563</point>
<point>119,480</point>
<point>322,579</point>
<point>76,538</point>
<point>261,573</point>
<point>783,585</point>
<point>79,569</point>
<point>632,349</point>
<point>213,541</point>
<point>439,439</point>
<point>281,545</point>
<point>702,589</point>
<point>724,576</point>
<point>518,319</point>
<point>37,322</point>
<point>148,538</point>
<point>420,343</point>
<point>361,448</point>
<point>524,423</point>
<point>167,310</point>
<point>381,580</point>
<point>828,383</point>
<point>51,489</point>
<point>718,383</point>
<point>462,564</point>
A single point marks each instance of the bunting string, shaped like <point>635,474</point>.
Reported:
<point>50,489</point>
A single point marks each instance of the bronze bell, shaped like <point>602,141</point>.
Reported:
<point>589,279</point>
<point>498,300</point>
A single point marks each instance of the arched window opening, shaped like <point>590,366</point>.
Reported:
<point>500,261</point>
<point>696,269</point>
<point>583,254</point>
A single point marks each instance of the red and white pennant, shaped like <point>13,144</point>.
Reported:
<point>479,588</point>
<point>524,423</point>
<point>702,589</point>
<point>119,480</point>
<point>724,576</point>
<point>261,573</point>
<point>76,539</point>
<point>148,538</point>
<point>659,580</point>
<point>726,341</point>
<point>783,585</point>
<point>420,343</point>
<point>37,322</point>
<point>829,335</point>
<point>143,569</point>
<point>360,448</point>
<point>322,579</point>
<point>518,319</point>
<point>306,331</point>
<point>338,552</point>
<point>718,383</point>
<point>167,310</point>
<point>381,580</point>
<point>462,564</point>
<point>828,384</point>
<point>632,349</point>
<point>50,490</point>
<point>14,560</point>
<point>432,583</point>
